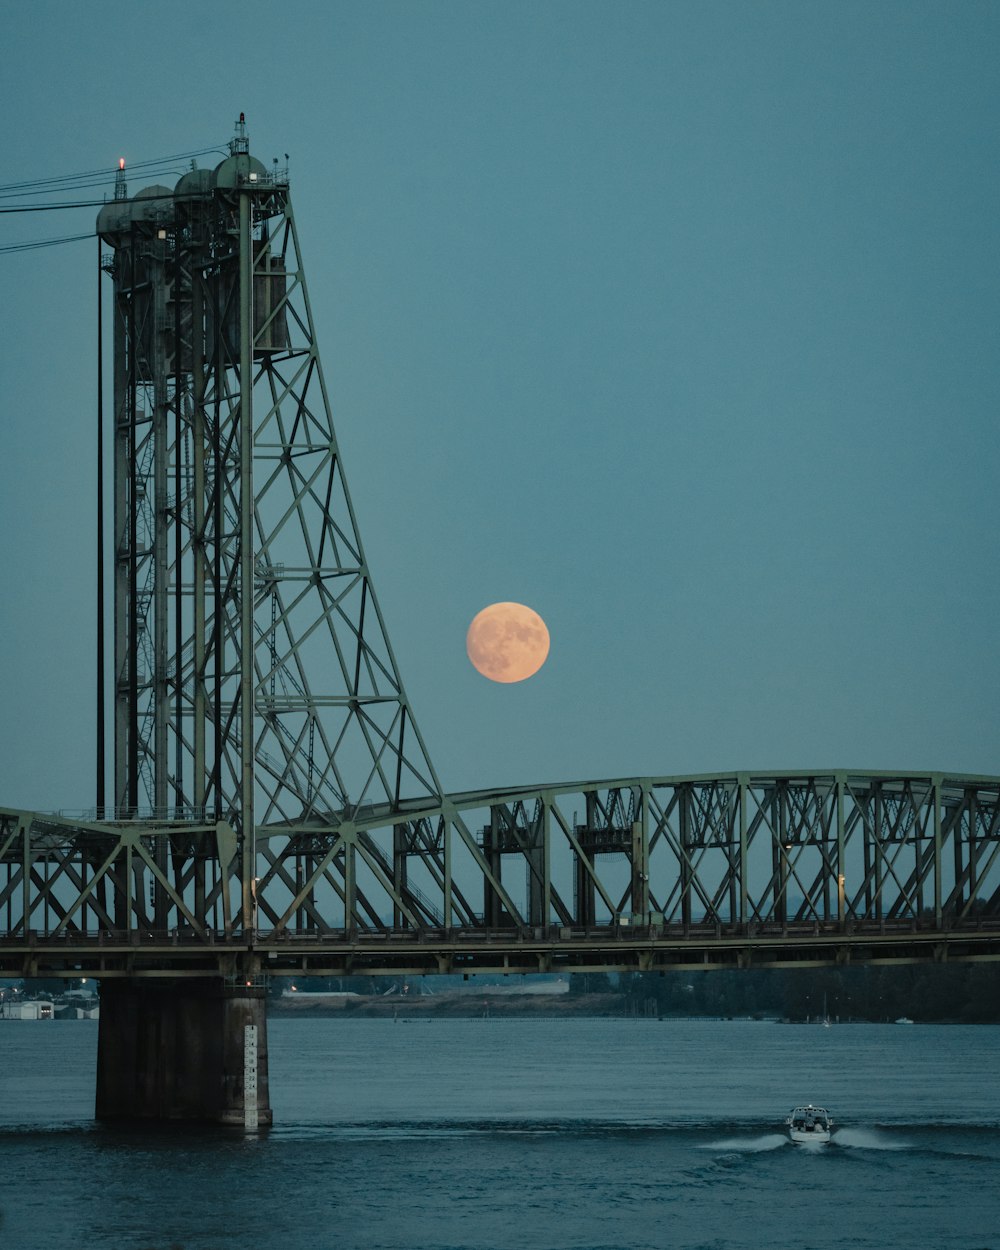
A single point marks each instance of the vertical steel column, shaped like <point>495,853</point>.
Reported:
<point>399,875</point>
<point>178,649</point>
<point>350,880</point>
<point>823,826</point>
<point>936,799</point>
<point>586,912</point>
<point>743,781</point>
<point>919,850</point>
<point>218,529</point>
<point>247,673</point>
<point>641,845</point>
<point>161,706</point>
<point>779,860</point>
<point>877,849</point>
<point>684,821</point>
<point>546,860</point>
<point>122,531</point>
<point>100,790</point>
<point>24,829</point>
<point>128,887</point>
<point>132,628</point>
<point>956,855</point>
<point>866,844</point>
<point>535,869</point>
<point>732,857</point>
<point>446,835</point>
<point>198,788</point>
<point>300,880</point>
<point>839,783</point>
<point>492,904</point>
<point>161,534</point>
<point>199,574</point>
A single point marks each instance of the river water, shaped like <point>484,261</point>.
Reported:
<point>549,1134</point>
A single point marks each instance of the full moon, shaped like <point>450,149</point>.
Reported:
<point>507,642</point>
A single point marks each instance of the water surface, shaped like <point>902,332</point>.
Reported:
<point>556,1135</point>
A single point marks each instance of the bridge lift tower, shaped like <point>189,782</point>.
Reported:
<point>253,683</point>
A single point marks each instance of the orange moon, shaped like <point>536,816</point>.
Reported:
<point>507,642</point>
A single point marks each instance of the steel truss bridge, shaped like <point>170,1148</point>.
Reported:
<point>264,798</point>
<point>641,874</point>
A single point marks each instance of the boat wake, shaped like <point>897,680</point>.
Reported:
<point>846,1138</point>
<point>867,1139</point>
<point>749,1145</point>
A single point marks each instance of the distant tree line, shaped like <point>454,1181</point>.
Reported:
<point>961,992</point>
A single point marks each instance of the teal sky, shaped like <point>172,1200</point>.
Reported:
<point>676,321</point>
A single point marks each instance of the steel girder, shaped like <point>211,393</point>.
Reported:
<point>636,873</point>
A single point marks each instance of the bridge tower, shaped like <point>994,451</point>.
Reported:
<point>254,686</point>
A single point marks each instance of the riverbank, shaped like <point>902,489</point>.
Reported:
<point>455,1005</point>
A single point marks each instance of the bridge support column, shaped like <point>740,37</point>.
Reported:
<point>173,1049</point>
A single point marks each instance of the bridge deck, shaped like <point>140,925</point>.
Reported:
<point>550,949</point>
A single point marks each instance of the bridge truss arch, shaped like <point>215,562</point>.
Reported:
<point>631,874</point>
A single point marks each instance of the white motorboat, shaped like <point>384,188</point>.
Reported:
<point>809,1125</point>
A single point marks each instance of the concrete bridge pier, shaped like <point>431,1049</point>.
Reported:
<point>176,1049</point>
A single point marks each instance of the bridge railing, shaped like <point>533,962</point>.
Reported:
<point>543,934</point>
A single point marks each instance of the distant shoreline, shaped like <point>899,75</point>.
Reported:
<point>477,1005</point>
<point>468,1005</point>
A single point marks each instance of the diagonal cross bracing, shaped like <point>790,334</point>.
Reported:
<point>280,700</point>
<point>827,866</point>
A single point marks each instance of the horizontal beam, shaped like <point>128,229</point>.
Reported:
<point>553,949</point>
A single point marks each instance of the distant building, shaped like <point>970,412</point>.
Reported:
<point>28,1009</point>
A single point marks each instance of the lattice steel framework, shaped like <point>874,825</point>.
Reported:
<point>254,680</point>
<point>639,873</point>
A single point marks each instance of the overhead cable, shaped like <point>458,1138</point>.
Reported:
<point>51,208</point>
<point>97,177</point>
<point>30,246</point>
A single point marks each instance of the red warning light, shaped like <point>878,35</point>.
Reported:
<point>121,162</point>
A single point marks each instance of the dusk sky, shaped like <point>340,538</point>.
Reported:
<point>677,322</point>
